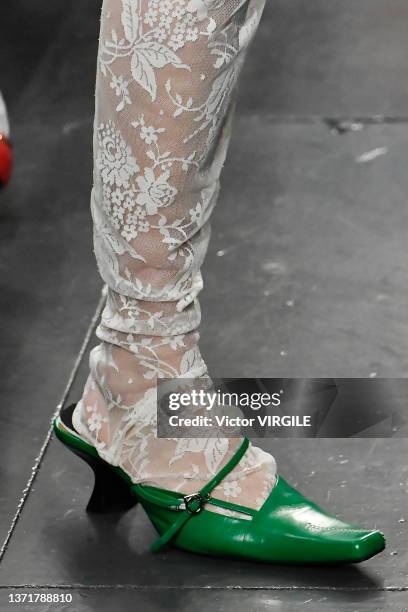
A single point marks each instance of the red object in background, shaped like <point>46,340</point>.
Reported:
<point>6,160</point>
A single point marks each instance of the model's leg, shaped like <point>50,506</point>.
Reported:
<point>167,71</point>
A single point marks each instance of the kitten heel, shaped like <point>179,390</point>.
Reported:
<point>112,486</point>
<point>111,493</point>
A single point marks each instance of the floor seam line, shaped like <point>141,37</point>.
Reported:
<point>38,460</point>
<point>132,587</point>
<point>365,120</point>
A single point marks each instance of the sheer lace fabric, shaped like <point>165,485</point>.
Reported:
<point>166,82</point>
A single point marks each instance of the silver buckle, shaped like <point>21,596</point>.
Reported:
<point>194,503</point>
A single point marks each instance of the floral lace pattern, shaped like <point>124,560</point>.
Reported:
<point>165,90</point>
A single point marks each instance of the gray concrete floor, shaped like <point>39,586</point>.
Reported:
<point>309,280</point>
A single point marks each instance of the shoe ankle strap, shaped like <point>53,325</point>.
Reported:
<point>191,505</point>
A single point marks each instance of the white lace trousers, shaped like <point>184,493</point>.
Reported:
<point>167,71</point>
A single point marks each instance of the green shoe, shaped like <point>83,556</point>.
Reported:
<point>288,528</point>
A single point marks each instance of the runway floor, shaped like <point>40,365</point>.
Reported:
<point>306,276</point>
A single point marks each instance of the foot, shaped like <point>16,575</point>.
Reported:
<point>182,465</point>
<point>287,529</point>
